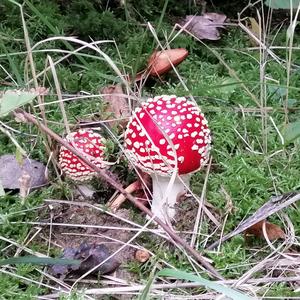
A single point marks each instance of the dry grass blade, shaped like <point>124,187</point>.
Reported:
<point>167,286</point>
<point>59,94</point>
<point>274,205</point>
<point>200,207</point>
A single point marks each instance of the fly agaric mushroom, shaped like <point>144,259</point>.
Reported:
<point>91,145</point>
<point>167,136</point>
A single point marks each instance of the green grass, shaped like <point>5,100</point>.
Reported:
<point>249,176</point>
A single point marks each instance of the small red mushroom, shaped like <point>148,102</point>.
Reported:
<point>91,145</point>
<point>167,136</point>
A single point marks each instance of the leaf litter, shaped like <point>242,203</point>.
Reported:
<point>205,27</point>
<point>90,255</point>
<point>275,204</point>
<point>13,171</point>
<point>273,231</point>
<point>117,105</point>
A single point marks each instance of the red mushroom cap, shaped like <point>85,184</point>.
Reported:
<point>166,129</point>
<point>91,145</point>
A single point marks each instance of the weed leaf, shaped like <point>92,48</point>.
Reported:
<point>207,283</point>
<point>291,132</point>
<point>145,294</point>
<point>282,4</point>
<point>11,100</point>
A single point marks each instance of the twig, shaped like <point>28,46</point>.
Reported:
<point>200,207</point>
<point>169,286</point>
<point>274,205</point>
<point>174,237</point>
<point>117,202</point>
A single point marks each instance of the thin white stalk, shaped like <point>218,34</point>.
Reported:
<point>164,196</point>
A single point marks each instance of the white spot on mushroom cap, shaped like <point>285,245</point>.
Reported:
<point>171,153</point>
<point>181,159</point>
<point>166,97</point>
<point>136,144</point>
<point>194,134</point>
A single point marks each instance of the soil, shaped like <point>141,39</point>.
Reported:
<point>186,213</point>
<point>83,215</point>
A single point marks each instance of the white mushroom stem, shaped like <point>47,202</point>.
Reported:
<point>165,194</point>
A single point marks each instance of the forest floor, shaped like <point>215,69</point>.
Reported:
<point>246,85</point>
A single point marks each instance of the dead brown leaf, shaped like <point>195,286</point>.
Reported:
<point>273,231</point>
<point>275,204</point>
<point>117,104</point>
<point>90,255</point>
<point>12,173</point>
<point>205,26</point>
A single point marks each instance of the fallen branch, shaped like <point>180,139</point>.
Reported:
<point>274,205</point>
<point>175,239</point>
